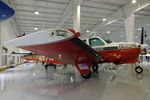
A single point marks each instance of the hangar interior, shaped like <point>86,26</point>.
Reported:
<point>118,20</point>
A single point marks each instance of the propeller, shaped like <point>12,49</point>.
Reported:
<point>142,36</point>
<point>143,45</point>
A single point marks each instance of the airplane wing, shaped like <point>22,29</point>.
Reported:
<point>62,45</point>
<point>5,11</point>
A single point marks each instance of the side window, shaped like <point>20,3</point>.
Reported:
<point>96,42</point>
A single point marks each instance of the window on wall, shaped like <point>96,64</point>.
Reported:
<point>18,59</point>
<point>4,56</point>
<point>12,61</point>
<point>96,42</point>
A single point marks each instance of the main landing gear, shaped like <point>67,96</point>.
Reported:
<point>49,65</point>
<point>89,74</point>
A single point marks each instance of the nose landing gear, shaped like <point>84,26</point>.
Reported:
<point>138,70</point>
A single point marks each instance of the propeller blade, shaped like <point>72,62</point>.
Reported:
<point>142,36</point>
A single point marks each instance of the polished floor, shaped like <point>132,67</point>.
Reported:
<point>31,81</point>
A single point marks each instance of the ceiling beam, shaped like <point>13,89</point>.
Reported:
<point>143,21</point>
<point>121,13</point>
<point>42,12</point>
<point>13,19</point>
<point>66,15</point>
<point>35,20</point>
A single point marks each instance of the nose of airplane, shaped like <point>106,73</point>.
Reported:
<point>125,45</point>
<point>143,46</point>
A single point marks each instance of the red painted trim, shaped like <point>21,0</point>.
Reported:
<point>77,34</point>
<point>122,56</point>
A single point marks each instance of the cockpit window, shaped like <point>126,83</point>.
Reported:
<point>107,40</point>
<point>61,33</point>
<point>64,33</point>
<point>96,42</point>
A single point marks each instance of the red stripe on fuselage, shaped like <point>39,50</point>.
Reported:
<point>121,56</point>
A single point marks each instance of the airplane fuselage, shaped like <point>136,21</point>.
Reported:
<point>122,56</point>
<point>117,53</point>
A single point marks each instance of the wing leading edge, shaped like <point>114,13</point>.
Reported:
<point>64,49</point>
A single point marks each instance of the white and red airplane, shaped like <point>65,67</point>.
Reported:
<point>66,46</point>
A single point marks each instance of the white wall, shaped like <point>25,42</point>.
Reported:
<point>7,33</point>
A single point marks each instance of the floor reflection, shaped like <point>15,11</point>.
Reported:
<point>2,82</point>
<point>32,82</point>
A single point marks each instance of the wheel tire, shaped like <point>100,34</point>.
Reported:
<point>54,66</point>
<point>95,67</point>
<point>87,76</point>
<point>46,66</point>
<point>139,76</point>
<point>138,69</point>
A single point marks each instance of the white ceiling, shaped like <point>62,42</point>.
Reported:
<point>92,12</point>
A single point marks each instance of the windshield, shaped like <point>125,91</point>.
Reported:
<point>63,33</point>
<point>107,40</point>
<point>96,42</point>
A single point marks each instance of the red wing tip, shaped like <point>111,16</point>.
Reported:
<point>77,34</point>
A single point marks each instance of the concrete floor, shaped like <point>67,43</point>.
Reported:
<point>31,82</point>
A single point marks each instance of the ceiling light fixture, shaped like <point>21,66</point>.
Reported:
<point>108,32</point>
<point>139,29</point>
<point>35,28</point>
<point>87,31</point>
<point>36,13</point>
<point>104,19</point>
<point>133,1</point>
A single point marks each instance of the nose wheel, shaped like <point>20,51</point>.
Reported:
<point>138,70</point>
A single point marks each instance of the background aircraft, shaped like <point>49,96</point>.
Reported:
<point>45,60</point>
<point>66,47</point>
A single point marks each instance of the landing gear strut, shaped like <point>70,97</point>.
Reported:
<point>138,69</point>
<point>46,66</point>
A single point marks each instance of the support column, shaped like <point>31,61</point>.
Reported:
<point>76,15</point>
<point>129,27</point>
<point>0,46</point>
